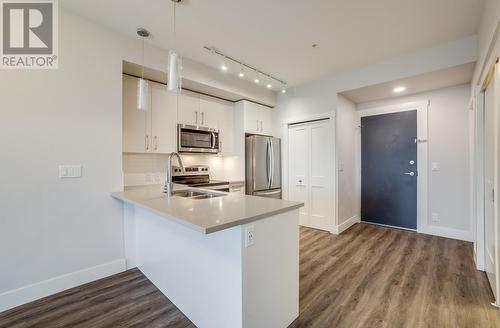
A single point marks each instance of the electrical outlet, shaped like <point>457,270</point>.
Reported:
<point>435,217</point>
<point>249,236</point>
<point>70,171</point>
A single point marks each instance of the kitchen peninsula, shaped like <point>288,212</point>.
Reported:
<point>225,260</point>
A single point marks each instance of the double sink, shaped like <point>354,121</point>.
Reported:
<point>196,194</point>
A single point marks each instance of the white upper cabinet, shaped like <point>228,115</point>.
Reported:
<point>164,119</point>
<point>258,119</point>
<point>265,115</point>
<point>189,108</point>
<point>136,124</point>
<point>211,111</point>
<point>155,130</point>
<point>151,131</point>
<point>227,132</point>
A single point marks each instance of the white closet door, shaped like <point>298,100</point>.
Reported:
<point>491,162</point>
<point>489,213</point>
<point>310,167</point>
<point>319,181</point>
<point>298,151</point>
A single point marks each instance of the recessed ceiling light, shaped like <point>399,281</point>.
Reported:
<point>283,90</point>
<point>399,89</point>
<point>256,80</point>
<point>241,74</point>
<point>269,85</point>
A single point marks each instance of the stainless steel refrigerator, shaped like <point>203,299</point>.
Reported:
<point>263,166</point>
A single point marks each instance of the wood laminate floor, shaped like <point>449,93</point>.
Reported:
<point>369,276</point>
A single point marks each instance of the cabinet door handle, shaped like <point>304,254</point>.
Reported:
<point>156,142</point>
<point>147,142</point>
<point>196,117</point>
<point>202,118</point>
<point>257,125</point>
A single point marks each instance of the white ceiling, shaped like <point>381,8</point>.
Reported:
<point>276,36</point>
<point>421,83</point>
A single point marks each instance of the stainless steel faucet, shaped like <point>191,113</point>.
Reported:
<point>169,186</point>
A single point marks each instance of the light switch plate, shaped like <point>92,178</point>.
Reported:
<point>70,171</point>
<point>435,167</point>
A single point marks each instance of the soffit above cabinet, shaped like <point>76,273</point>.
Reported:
<point>219,91</point>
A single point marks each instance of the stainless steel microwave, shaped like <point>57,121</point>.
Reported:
<point>197,139</point>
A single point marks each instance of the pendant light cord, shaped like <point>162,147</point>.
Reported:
<point>173,21</point>
<point>174,47</point>
<point>142,67</point>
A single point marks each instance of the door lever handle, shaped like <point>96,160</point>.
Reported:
<point>410,173</point>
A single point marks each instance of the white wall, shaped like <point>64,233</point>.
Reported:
<point>145,169</point>
<point>52,227</point>
<point>448,147</point>
<point>347,132</point>
<point>320,96</point>
<point>55,233</point>
<point>489,21</point>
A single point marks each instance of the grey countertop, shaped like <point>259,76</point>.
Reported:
<point>205,215</point>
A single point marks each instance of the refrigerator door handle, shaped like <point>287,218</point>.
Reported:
<point>268,164</point>
<point>272,163</point>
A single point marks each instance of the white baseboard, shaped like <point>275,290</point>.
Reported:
<point>26,294</point>
<point>346,225</point>
<point>446,232</point>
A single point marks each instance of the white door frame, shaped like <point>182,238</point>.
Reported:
<point>422,156</point>
<point>286,164</point>
<point>478,153</point>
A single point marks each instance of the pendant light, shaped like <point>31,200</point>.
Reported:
<point>142,84</point>
<point>174,79</point>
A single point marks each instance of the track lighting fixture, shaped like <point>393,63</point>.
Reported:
<point>271,80</point>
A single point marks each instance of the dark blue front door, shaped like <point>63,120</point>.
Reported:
<point>388,158</point>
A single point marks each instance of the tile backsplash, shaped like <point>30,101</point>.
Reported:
<point>145,169</point>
